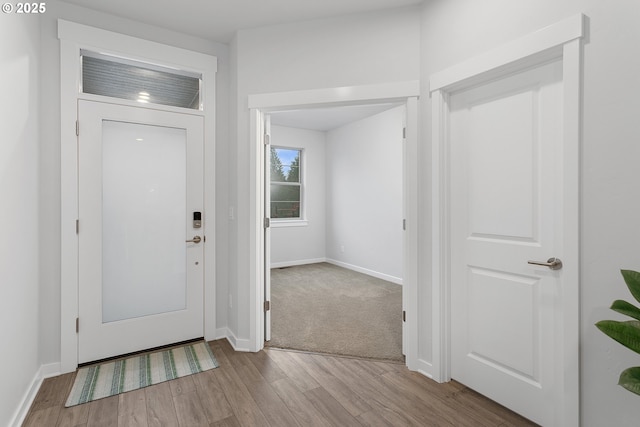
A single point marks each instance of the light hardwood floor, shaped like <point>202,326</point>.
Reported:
<point>280,388</point>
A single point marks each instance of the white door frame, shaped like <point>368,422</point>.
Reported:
<point>560,41</point>
<point>74,37</point>
<point>406,92</point>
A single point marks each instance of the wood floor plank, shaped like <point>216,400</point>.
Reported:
<point>51,392</point>
<point>293,370</point>
<point>475,402</point>
<point>432,408</point>
<point>372,367</point>
<point>231,421</point>
<point>189,410</point>
<point>73,416</point>
<point>454,400</point>
<point>160,408</point>
<point>378,418</point>
<point>244,407</point>
<point>299,405</point>
<point>373,418</point>
<point>330,408</point>
<point>103,412</point>
<point>221,357</point>
<point>236,358</point>
<point>392,405</point>
<point>212,398</point>
<point>269,369</point>
<point>132,409</point>
<point>273,408</point>
<point>182,385</point>
<point>42,417</point>
<point>338,389</point>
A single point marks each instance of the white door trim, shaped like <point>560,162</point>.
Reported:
<point>406,92</point>
<point>74,37</point>
<point>561,40</point>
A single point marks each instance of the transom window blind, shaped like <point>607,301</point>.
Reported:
<point>120,78</point>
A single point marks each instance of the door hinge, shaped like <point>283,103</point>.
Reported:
<point>77,325</point>
<point>267,222</point>
<point>404,133</point>
<point>77,226</point>
<point>267,139</point>
<point>404,224</point>
<point>404,316</point>
<point>267,305</point>
<point>77,128</point>
<point>204,239</point>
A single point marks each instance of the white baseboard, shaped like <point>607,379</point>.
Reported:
<point>425,368</point>
<point>388,278</point>
<point>297,262</point>
<point>45,371</point>
<point>237,343</point>
<point>50,370</point>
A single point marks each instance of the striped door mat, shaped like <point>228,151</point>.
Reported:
<point>119,376</point>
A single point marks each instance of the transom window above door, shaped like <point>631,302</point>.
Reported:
<point>122,78</point>
<point>286,183</point>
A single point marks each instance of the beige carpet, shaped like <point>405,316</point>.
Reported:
<point>329,309</point>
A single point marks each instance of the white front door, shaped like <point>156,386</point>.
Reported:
<point>140,193</point>
<point>505,139</point>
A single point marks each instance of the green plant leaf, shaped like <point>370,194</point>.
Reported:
<point>626,333</point>
<point>632,279</point>
<point>630,379</point>
<point>626,308</point>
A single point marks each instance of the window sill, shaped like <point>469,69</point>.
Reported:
<point>278,223</point>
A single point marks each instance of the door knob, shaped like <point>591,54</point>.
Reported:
<point>196,239</point>
<point>552,263</point>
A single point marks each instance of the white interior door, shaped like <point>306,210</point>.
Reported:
<point>405,267</point>
<point>267,230</point>
<point>140,250</point>
<point>506,170</point>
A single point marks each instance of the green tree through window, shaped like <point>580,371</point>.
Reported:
<point>285,182</point>
<point>277,174</point>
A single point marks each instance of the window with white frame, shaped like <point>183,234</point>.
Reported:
<point>286,183</point>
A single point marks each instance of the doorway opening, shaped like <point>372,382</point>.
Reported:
<point>334,197</point>
<point>260,106</point>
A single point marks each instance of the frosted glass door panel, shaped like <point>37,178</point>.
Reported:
<point>143,220</point>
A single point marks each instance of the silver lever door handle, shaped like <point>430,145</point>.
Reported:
<point>552,263</point>
<point>196,239</point>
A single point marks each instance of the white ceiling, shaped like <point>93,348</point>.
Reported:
<point>218,20</point>
<point>325,119</point>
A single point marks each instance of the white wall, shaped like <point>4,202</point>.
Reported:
<point>293,245</point>
<point>453,30</point>
<point>351,50</point>
<point>50,156</point>
<point>370,48</point>
<point>19,209</point>
<point>364,195</point>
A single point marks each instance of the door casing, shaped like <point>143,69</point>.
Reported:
<point>405,92</point>
<point>74,37</point>
<point>562,41</point>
